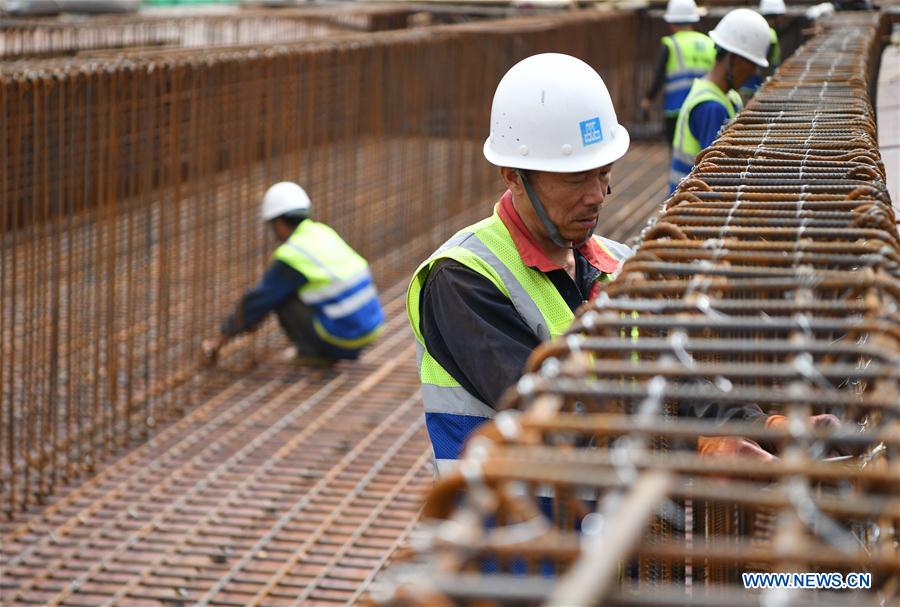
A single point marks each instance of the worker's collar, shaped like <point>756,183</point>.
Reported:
<point>531,252</point>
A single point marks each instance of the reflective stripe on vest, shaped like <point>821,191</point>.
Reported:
<point>736,100</point>
<point>686,146</point>
<point>451,412</point>
<point>339,285</point>
<point>691,55</point>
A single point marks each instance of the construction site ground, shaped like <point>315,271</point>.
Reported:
<point>283,485</point>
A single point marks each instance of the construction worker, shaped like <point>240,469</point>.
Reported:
<point>742,40</point>
<point>684,55</point>
<point>319,287</point>
<point>772,10</point>
<point>486,298</point>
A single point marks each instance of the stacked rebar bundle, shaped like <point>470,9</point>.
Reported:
<point>728,406</point>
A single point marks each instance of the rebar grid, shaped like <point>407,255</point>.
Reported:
<point>48,37</point>
<point>212,492</point>
<point>249,492</point>
<point>769,279</point>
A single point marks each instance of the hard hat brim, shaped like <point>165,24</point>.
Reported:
<point>605,155</point>
<point>676,20</point>
<point>760,61</point>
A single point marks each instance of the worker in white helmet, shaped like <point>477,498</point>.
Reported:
<point>485,299</point>
<point>320,288</point>
<point>742,41</point>
<point>685,54</point>
<point>773,11</point>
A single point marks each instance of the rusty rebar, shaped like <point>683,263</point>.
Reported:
<point>769,280</point>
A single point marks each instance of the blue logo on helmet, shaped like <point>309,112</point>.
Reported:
<point>591,131</point>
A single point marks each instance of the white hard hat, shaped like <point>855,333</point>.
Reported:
<point>285,197</point>
<point>819,10</point>
<point>552,112</point>
<point>744,32</point>
<point>772,7</point>
<point>681,11</point>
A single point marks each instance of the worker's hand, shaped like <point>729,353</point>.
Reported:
<point>717,446</point>
<point>824,421</point>
<point>210,349</point>
<point>646,105</point>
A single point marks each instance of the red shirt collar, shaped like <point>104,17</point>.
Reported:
<point>534,256</point>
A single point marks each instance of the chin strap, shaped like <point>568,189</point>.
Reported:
<point>551,228</point>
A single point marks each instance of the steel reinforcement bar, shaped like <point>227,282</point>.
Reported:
<point>131,184</point>
<point>47,37</point>
<point>731,402</point>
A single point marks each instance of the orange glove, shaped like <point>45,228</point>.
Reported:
<point>714,446</point>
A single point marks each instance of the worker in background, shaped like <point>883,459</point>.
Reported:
<point>493,292</point>
<point>684,55</point>
<point>320,288</point>
<point>773,11</point>
<point>742,40</point>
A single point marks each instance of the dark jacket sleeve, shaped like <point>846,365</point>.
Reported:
<point>659,71</point>
<point>279,284</point>
<point>474,331</point>
<point>722,412</point>
<point>705,121</point>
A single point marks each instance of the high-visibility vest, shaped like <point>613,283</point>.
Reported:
<point>451,412</point>
<point>686,146</point>
<point>774,55</point>
<point>339,285</point>
<point>691,55</point>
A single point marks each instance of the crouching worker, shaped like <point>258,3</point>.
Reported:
<point>320,288</point>
<point>493,292</point>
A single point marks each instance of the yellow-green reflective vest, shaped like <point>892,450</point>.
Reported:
<point>686,146</point>
<point>339,285</point>
<point>691,55</point>
<point>774,56</point>
<point>451,412</point>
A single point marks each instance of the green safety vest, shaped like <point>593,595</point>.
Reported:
<point>487,248</point>
<point>690,55</point>
<point>774,49</point>
<point>685,145</point>
<point>339,285</point>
